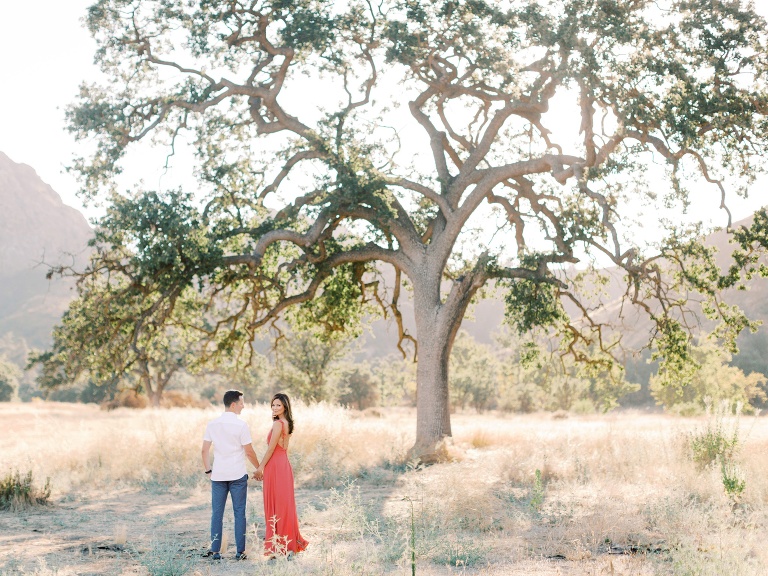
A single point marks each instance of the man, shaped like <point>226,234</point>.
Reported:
<point>232,443</point>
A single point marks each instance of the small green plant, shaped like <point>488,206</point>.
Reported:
<point>719,440</point>
<point>412,541</point>
<point>422,534</point>
<point>733,479</point>
<point>536,498</point>
<point>165,557</point>
<point>458,552</point>
<point>19,492</point>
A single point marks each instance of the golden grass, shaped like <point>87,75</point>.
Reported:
<point>614,494</point>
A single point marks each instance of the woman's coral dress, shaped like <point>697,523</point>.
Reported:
<point>282,533</point>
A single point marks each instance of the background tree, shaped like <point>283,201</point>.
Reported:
<point>713,381</point>
<point>306,364</point>
<point>474,374</point>
<point>99,339</point>
<point>256,382</point>
<point>9,380</point>
<point>16,351</point>
<point>395,379</point>
<point>537,377</point>
<point>357,388</point>
<point>129,327</point>
<point>519,392</point>
<point>482,190</point>
<point>752,357</point>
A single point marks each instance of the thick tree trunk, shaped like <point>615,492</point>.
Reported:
<point>154,393</point>
<point>155,397</point>
<point>433,421</point>
<point>436,327</point>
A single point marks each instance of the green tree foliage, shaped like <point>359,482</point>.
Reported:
<point>103,337</point>
<point>9,380</point>
<point>714,381</point>
<point>309,192</point>
<point>131,325</point>
<point>605,388</point>
<point>98,393</point>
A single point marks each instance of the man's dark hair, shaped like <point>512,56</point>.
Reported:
<point>231,396</point>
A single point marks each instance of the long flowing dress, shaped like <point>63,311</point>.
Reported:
<point>282,532</point>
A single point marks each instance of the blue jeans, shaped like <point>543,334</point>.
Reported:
<point>239,491</point>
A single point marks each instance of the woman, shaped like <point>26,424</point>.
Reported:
<point>282,534</point>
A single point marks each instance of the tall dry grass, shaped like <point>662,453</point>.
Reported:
<point>613,494</point>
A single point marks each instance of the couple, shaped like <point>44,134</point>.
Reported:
<point>232,444</point>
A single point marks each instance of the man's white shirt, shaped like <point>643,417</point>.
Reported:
<point>229,434</point>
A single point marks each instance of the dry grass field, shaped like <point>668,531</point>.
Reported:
<point>617,494</point>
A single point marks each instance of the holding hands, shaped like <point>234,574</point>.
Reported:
<point>259,473</point>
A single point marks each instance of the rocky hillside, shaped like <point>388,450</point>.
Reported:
<point>36,230</point>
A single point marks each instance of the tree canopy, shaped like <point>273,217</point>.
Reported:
<point>332,140</point>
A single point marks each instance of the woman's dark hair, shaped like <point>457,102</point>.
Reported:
<point>287,405</point>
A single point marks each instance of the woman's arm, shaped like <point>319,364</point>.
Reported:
<point>250,453</point>
<point>277,429</point>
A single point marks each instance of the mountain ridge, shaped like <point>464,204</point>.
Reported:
<point>37,230</point>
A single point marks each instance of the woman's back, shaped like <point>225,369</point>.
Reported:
<point>284,439</point>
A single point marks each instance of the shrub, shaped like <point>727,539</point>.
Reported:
<point>583,406</point>
<point>474,374</point>
<point>98,393</point>
<point>19,492</point>
<point>718,441</point>
<point>180,399</point>
<point>460,551</point>
<point>70,394</point>
<point>126,399</point>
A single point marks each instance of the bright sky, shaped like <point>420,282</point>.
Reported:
<point>45,53</point>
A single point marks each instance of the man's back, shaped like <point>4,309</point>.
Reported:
<point>229,434</point>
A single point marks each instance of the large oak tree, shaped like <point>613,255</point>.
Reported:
<point>333,139</point>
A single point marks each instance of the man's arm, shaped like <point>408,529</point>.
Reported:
<point>206,455</point>
<point>250,453</point>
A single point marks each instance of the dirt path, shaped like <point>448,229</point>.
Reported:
<point>124,531</point>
